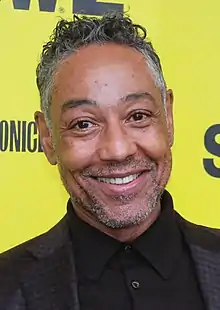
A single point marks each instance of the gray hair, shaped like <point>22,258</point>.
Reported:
<point>69,36</point>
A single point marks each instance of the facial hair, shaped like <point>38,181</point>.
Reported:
<point>129,216</point>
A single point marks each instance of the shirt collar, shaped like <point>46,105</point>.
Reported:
<point>161,244</point>
<point>93,249</point>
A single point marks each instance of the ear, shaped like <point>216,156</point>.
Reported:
<point>169,112</point>
<point>45,138</point>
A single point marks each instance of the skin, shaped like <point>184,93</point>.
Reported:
<point>108,120</point>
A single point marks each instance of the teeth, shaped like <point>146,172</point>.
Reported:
<point>119,181</point>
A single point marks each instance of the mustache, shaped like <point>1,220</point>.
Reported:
<point>116,167</point>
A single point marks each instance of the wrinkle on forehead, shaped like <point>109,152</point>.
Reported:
<point>103,73</point>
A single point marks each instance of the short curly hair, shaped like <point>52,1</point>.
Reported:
<point>69,36</point>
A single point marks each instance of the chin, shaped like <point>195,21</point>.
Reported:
<point>125,215</point>
<point>125,222</point>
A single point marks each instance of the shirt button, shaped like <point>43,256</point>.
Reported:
<point>135,284</point>
<point>127,248</point>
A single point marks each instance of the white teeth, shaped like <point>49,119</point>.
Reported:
<point>119,181</point>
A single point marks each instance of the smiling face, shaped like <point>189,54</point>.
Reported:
<point>111,136</point>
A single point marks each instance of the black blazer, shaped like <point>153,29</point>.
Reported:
<point>40,274</point>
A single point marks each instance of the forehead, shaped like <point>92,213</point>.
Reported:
<point>103,73</point>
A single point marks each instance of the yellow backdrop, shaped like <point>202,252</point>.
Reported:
<point>186,36</point>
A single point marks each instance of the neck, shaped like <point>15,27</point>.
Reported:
<point>125,235</point>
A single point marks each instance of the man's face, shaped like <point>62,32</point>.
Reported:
<point>111,137</point>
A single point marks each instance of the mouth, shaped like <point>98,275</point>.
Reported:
<point>121,184</point>
<point>119,180</point>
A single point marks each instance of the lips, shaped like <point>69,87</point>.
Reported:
<point>119,180</point>
<point>116,185</point>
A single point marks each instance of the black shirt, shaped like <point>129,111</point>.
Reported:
<point>156,272</point>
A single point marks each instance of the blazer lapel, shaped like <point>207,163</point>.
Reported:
<point>49,283</point>
<point>204,244</point>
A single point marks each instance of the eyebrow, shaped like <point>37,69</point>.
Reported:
<point>138,96</point>
<point>73,103</point>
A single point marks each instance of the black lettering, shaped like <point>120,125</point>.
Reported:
<point>3,136</point>
<point>31,141</point>
<point>15,136</point>
<point>21,4</point>
<point>44,5</point>
<point>213,148</point>
<point>19,136</point>
<point>24,136</point>
<point>92,7</point>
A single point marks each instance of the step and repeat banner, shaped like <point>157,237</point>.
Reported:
<point>186,36</point>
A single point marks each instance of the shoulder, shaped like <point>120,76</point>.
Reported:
<point>203,236</point>
<point>29,257</point>
<point>42,244</point>
<point>15,261</point>
<point>10,291</point>
<point>35,266</point>
<point>12,262</point>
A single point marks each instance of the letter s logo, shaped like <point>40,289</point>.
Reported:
<point>213,148</point>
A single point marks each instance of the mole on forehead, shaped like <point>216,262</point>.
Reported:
<point>103,84</point>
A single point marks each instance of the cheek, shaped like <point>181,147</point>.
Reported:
<point>75,155</point>
<point>155,144</point>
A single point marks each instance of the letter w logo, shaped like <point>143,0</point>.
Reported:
<point>90,7</point>
<point>44,5</point>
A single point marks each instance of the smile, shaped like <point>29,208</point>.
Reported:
<point>119,181</point>
<point>125,184</point>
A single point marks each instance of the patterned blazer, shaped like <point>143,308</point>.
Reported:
<point>40,274</point>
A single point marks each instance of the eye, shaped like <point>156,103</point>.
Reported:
<point>139,116</point>
<point>82,125</point>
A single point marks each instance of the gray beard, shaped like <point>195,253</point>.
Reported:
<point>97,211</point>
<point>93,207</point>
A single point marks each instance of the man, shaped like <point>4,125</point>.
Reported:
<point>106,121</point>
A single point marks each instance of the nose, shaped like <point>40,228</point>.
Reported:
<point>116,145</point>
